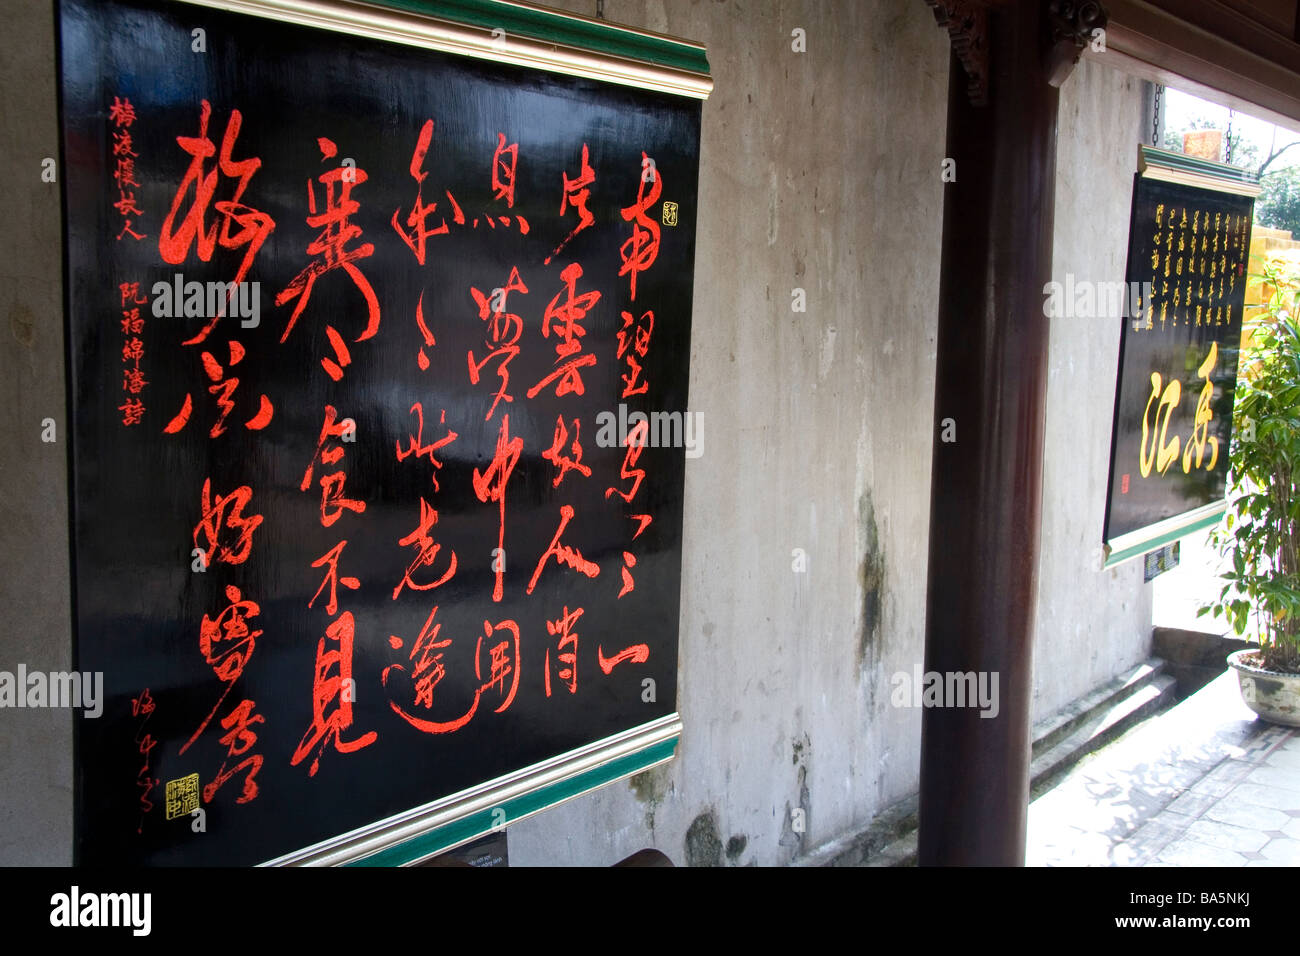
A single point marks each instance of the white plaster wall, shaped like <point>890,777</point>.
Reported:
<point>1091,623</point>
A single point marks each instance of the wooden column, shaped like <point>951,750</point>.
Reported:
<point>992,382</point>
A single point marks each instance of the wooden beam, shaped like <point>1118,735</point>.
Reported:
<point>1210,51</point>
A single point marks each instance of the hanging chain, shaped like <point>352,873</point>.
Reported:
<point>1155,117</point>
<point>1227,150</point>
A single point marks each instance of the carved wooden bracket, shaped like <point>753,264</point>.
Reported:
<point>1072,25</point>
<point>967,25</point>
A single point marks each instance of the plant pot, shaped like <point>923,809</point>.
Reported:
<point>1273,695</point>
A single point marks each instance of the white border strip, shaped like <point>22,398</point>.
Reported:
<point>383,834</point>
<point>1153,532</point>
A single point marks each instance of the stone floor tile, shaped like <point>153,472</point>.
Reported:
<point>1225,836</point>
<point>1282,850</point>
<point>1275,798</point>
<point>1284,777</point>
<point>1192,803</point>
<point>1241,814</point>
<point>1191,853</point>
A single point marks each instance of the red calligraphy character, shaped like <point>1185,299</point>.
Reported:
<point>333,691</point>
<point>122,147</point>
<point>331,560</point>
<point>555,454</point>
<point>332,502</point>
<point>570,557</point>
<point>222,390</point>
<point>504,163</point>
<point>330,248</point>
<point>132,412</point>
<point>417,220</point>
<point>576,194</point>
<point>637,438</point>
<point>130,292</point>
<point>566,649</point>
<point>126,207</point>
<point>503,661</point>
<point>490,485</point>
<point>636,654</point>
<point>504,329</point>
<point>124,171</point>
<point>226,512</point>
<point>174,241</point>
<point>143,780</point>
<point>629,562</point>
<point>639,252</point>
<point>132,324</point>
<point>227,642</point>
<point>427,672</point>
<point>238,740</point>
<point>143,704</point>
<point>422,359</point>
<point>122,113</point>
<point>416,446</point>
<point>635,341</point>
<point>133,381</point>
<point>566,321</point>
<point>422,539</point>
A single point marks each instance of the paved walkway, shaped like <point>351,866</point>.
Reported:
<point>1204,784</point>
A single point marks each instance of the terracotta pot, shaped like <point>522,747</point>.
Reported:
<point>1271,694</point>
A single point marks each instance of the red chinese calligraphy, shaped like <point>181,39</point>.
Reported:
<point>143,707</point>
<point>490,485</point>
<point>238,740</point>
<point>503,661</point>
<point>133,380</point>
<point>330,248</point>
<point>415,445</point>
<point>333,691</point>
<point>636,440</point>
<point>640,251</point>
<point>629,562</point>
<point>504,163</point>
<point>222,390</point>
<point>576,194</point>
<point>634,342</point>
<point>330,559</point>
<point>417,220</point>
<point>556,456</point>
<point>175,241</point>
<point>566,650</point>
<point>570,557</point>
<point>227,642</point>
<point>122,113</point>
<point>422,539</point>
<point>504,330</point>
<point>566,321</point>
<point>225,513</point>
<point>428,669</point>
<point>422,358</point>
<point>636,654</point>
<point>332,501</point>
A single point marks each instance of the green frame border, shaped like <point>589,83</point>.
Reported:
<point>1173,534</point>
<point>1168,159</point>
<point>561,28</point>
<point>474,825</point>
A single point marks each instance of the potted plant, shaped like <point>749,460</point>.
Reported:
<point>1260,531</point>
